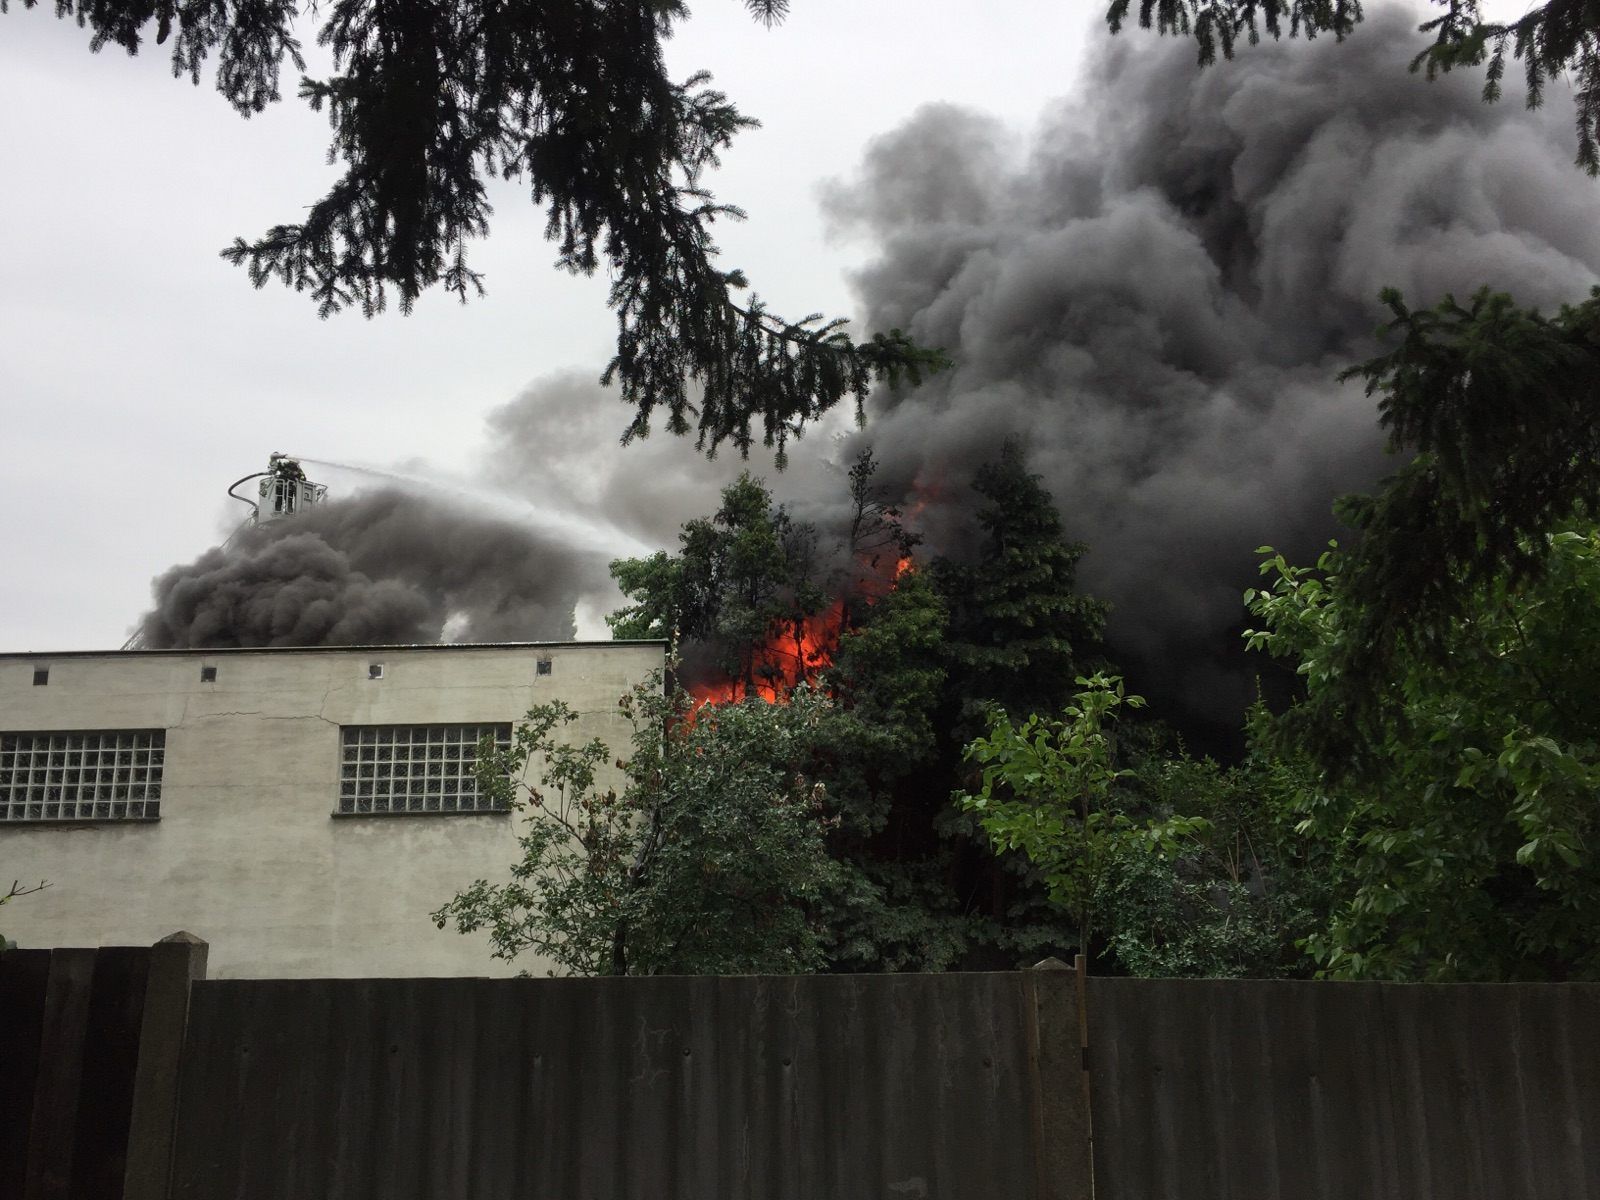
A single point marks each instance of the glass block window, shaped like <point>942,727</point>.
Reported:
<point>93,775</point>
<point>414,768</point>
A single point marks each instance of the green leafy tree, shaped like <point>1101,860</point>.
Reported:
<point>1048,790</point>
<point>887,678</point>
<point>895,908</point>
<point>1019,631</point>
<point>1237,896</point>
<point>1552,40</point>
<point>1497,406</point>
<point>1464,847</point>
<point>429,102</point>
<point>709,860</point>
<point>741,589</point>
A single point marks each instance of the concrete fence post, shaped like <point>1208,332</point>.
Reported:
<point>176,961</point>
<point>1063,1164</point>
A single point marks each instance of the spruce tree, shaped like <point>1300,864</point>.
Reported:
<point>1020,634</point>
<point>428,102</point>
<point>1496,407</point>
<point>891,906</point>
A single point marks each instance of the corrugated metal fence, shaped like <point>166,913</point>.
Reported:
<point>604,1089</point>
<point>1344,1091</point>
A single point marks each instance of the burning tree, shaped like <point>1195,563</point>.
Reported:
<point>765,607</point>
<point>753,602</point>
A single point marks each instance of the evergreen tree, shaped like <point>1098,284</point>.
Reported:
<point>893,907</point>
<point>430,101</point>
<point>1020,635</point>
<point>915,887</point>
<point>1019,632</point>
<point>1500,409</point>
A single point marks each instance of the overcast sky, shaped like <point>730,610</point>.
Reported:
<point>140,374</point>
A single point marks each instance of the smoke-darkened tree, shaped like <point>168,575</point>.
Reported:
<point>751,591</point>
<point>893,907</point>
<point>1020,632</point>
<point>1500,409</point>
<point>428,102</point>
<point>737,595</point>
<point>1556,39</point>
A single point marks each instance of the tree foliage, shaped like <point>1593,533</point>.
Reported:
<point>1467,850</point>
<point>739,590</point>
<point>1048,789</point>
<point>1496,405</point>
<point>1019,630</point>
<point>1234,898</point>
<point>430,102</point>
<point>760,599</point>
<point>709,860</point>
<point>894,908</point>
<point>1557,38</point>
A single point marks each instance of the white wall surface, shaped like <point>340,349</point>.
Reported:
<point>247,853</point>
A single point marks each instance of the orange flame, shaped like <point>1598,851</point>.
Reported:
<point>796,652</point>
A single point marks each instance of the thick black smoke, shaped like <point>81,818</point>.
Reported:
<point>1155,293</point>
<point>1157,296</point>
<point>381,567</point>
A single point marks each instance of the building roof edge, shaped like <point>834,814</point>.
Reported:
<point>204,650</point>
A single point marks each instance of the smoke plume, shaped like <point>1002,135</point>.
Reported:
<point>380,567</point>
<point>1157,294</point>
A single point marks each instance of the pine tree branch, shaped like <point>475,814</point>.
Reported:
<point>427,103</point>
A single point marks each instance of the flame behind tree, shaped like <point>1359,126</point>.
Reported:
<point>760,603</point>
<point>755,603</point>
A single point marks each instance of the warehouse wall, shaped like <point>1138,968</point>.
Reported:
<point>247,851</point>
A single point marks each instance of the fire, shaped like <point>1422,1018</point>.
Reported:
<point>923,493</point>
<point>796,652</point>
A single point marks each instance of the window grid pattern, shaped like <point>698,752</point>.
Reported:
<point>93,775</point>
<point>415,768</point>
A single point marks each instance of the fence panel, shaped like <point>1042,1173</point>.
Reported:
<point>1224,1088</point>
<point>24,976</point>
<point>69,1047</point>
<point>87,1037</point>
<point>805,1087</point>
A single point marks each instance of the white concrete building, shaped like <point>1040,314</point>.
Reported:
<point>302,810</point>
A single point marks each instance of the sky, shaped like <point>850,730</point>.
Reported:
<point>140,374</point>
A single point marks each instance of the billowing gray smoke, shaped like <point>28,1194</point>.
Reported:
<point>1158,295</point>
<point>381,567</point>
